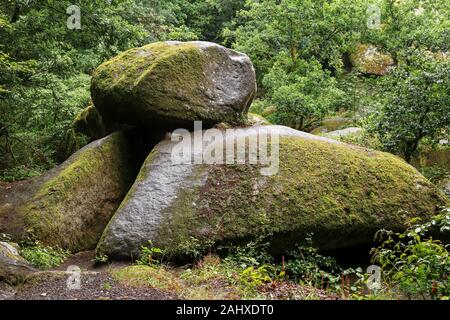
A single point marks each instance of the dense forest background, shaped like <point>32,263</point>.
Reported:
<point>304,52</point>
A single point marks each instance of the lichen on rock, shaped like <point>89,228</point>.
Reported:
<point>170,84</point>
<point>369,60</point>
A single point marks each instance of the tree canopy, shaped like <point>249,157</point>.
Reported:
<point>301,50</point>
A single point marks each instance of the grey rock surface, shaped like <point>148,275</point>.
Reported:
<point>157,187</point>
<point>180,203</point>
<point>171,84</point>
<point>13,268</point>
<point>344,132</point>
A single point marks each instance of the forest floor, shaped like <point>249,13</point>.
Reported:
<point>124,281</point>
<point>97,283</point>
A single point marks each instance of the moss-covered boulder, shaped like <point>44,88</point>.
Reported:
<point>341,193</point>
<point>369,60</point>
<point>71,205</point>
<point>90,123</point>
<point>332,124</point>
<point>171,84</point>
<point>88,126</point>
<point>351,131</point>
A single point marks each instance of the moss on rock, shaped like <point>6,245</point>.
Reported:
<point>90,123</point>
<point>88,126</point>
<point>73,203</point>
<point>341,193</point>
<point>174,83</point>
<point>369,60</point>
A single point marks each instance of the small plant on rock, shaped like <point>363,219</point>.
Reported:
<point>150,255</point>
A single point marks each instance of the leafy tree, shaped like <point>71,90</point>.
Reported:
<point>206,18</point>
<point>304,29</point>
<point>302,92</point>
<point>417,104</point>
<point>45,67</point>
<point>410,24</point>
<point>297,49</point>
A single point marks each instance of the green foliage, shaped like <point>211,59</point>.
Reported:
<point>252,254</point>
<point>414,262</point>
<point>307,265</point>
<point>435,173</point>
<point>410,24</point>
<point>417,104</point>
<point>106,286</point>
<point>21,172</point>
<point>43,257</point>
<point>45,68</point>
<point>318,29</point>
<point>100,258</point>
<point>251,278</point>
<point>150,256</point>
<point>297,51</point>
<point>302,92</point>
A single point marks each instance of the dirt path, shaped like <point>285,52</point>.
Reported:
<point>96,284</point>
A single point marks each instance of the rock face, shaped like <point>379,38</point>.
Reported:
<point>13,268</point>
<point>342,193</point>
<point>71,205</point>
<point>369,60</point>
<point>88,126</point>
<point>90,123</point>
<point>171,84</point>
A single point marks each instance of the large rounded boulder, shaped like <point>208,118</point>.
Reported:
<point>71,204</point>
<point>171,84</point>
<point>341,193</point>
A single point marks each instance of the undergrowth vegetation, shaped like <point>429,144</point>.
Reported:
<point>412,265</point>
<point>43,257</point>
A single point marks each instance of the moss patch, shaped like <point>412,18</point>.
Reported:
<point>343,194</point>
<point>160,82</point>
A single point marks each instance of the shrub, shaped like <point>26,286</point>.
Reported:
<point>435,173</point>
<point>43,257</point>
<point>414,262</point>
<point>150,256</point>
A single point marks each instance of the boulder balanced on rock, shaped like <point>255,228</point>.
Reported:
<point>341,193</point>
<point>171,84</point>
